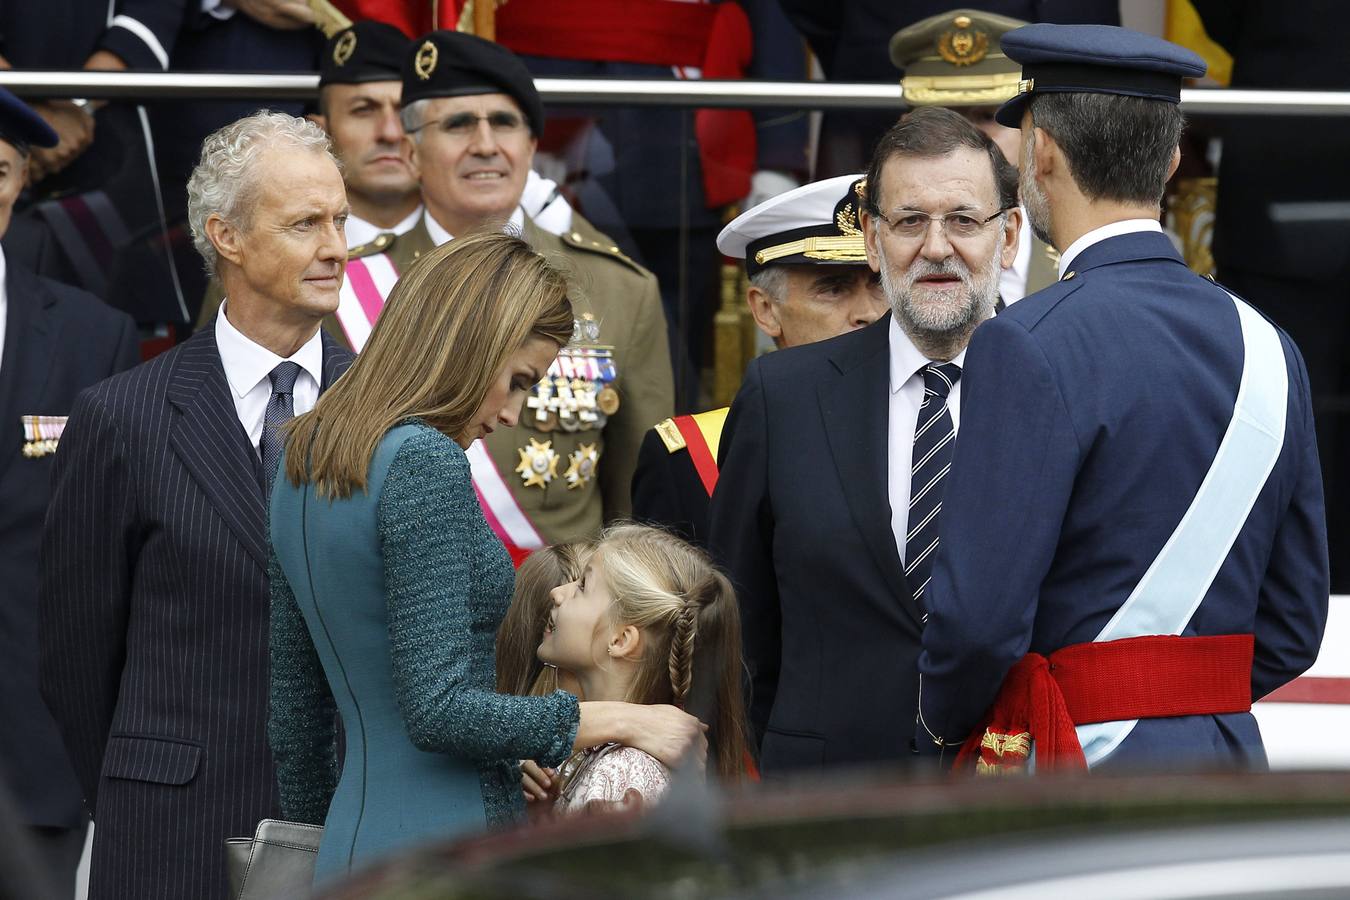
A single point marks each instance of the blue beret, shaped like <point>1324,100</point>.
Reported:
<point>21,126</point>
<point>1094,59</point>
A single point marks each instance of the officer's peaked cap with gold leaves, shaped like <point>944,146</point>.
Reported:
<point>814,224</point>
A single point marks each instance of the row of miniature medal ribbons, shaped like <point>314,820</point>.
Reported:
<point>577,392</point>
<point>41,434</point>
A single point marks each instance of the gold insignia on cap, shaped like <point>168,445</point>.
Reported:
<point>344,48</point>
<point>965,46</point>
<point>425,61</point>
<point>860,188</point>
<point>1026,85</point>
<point>846,220</point>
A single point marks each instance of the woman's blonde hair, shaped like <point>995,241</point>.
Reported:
<point>519,670</point>
<point>691,627</point>
<point>450,325</point>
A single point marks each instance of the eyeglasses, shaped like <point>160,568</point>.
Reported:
<point>463,125</point>
<point>913,225</point>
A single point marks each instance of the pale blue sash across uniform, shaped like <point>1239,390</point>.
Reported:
<point>1172,588</point>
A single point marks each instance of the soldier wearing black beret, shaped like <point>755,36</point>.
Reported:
<point>359,101</point>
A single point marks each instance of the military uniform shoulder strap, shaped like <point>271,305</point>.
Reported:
<point>379,244</point>
<point>670,435</point>
<point>597,243</point>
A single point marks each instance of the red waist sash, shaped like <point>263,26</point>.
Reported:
<point>1151,677</point>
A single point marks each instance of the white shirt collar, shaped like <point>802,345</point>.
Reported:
<point>440,236</point>
<point>359,231</point>
<point>247,363</point>
<point>906,359</point>
<point>1109,230</point>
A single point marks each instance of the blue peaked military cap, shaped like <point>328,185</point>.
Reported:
<point>21,126</point>
<point>1094,59</point>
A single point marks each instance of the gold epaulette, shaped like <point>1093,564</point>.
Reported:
<point>370,248</point>
<point>590,245</point>
<point>670,435</point>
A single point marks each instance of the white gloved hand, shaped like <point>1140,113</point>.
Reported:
<point>765,185</point>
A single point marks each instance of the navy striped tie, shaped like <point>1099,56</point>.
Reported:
<point>934,437</point>
<point>280,409</point>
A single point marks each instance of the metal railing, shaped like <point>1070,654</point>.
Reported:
<point>618,92</point>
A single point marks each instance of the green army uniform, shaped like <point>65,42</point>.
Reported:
<point>954,60</point>
<point>624,302</point>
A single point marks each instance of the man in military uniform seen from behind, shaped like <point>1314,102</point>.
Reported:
<point>953,59</point>
<point>359,91</point>
<point>798,295</point>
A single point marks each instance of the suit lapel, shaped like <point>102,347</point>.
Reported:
<point>211,443</point>
<point>337,358</point>
<point>26,360</point>
<point>856,412</point>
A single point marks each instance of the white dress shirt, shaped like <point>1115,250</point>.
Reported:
<point>247,366</point>
<point>4,306</point>
<point>1012,283</point>
<point>359,231</point>
<point>1097,235</point>
<point>906,398</point>
<point>440,236</point>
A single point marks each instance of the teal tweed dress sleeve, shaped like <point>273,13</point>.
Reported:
<point>444,608</point>
<point>302,719</point>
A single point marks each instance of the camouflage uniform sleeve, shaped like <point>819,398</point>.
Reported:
<point>647,395</point>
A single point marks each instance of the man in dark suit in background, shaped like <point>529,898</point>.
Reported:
<point>55,341</point>
<point>154,603</point>
<point>831,577</point>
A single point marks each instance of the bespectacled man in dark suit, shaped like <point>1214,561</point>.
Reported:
<point>154,603</point>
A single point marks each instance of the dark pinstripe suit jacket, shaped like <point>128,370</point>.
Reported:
<point>153,621</point>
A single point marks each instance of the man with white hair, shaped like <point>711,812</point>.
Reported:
<point>830,579</point>
<point>153,612</point>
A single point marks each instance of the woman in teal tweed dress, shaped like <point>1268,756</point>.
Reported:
<point>388,585</point>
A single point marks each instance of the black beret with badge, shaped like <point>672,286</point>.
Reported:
<point>453,64</point>
<point>814,224</point>
<point>21,126</point>
<point>1095,59</point>
<point>366,51</point>
<point>954,59</point>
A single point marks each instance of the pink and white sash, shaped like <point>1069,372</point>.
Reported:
<point>503,513</point>
<point>369,281</point>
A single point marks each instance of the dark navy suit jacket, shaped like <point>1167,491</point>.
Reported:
<point>1091,412</point>
<point>58,341</point>
<point>801,522</point>
<point>154,615</point>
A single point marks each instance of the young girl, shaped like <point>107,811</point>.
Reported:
<point>650,620</point>
<point>519,670</point>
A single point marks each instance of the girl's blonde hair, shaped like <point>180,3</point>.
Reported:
<point>691,627</point>
<point>519,670</point>
<point>450,325</point>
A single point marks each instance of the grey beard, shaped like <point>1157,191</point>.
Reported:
<point>941,328</point>
<point>1035,204</point>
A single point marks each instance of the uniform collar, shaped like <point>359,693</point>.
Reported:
<point>247,363</point>
<point>1097,235</point>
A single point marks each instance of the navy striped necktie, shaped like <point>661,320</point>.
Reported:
<point>280,409</point>
<point>934,439</point>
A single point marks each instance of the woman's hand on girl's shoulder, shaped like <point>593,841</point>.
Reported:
<point>670,734</point>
